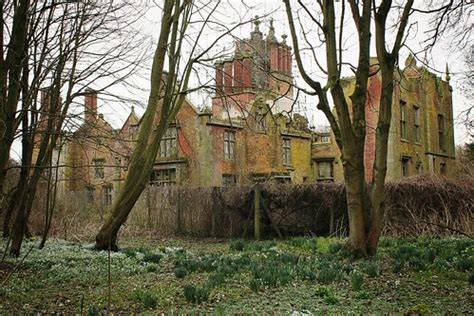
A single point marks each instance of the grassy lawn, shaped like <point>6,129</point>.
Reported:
<point>299,276</point>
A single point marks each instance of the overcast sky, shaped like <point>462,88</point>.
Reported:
<point>244,10</point>
<point>233,12</point>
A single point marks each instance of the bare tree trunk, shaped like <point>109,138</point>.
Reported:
<point>10,83</point>
<point>10,208</point>
<point>107,236</point>
<point>148,140</point>
<point>51,201</point>
<point>380,164</point>
<point>387,62</point>
<point>355,195</point>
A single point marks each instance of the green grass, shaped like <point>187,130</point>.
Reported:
<point>181,276</point>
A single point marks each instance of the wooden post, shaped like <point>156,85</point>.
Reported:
<point>213,211</point>
<point>331,222</point>
<point>256,201</point>
<point>148,206</point>
<point>179,228</point>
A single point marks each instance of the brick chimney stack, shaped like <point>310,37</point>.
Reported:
<point>219,76</point>
<point>45,101</point>
<point>90,106</point>
<point>258,64</point>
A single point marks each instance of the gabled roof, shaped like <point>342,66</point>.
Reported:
<point>132,119</point>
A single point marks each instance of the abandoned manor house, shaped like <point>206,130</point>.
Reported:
<point>248,133</point>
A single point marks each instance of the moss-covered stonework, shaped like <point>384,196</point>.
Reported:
<point>264,133</point>
<point>418,90</point>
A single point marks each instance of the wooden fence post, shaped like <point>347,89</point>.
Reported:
<point>257,218</point>
<point>179,227</point>
<point>331,222</point>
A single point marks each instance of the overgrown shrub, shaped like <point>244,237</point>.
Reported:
<point>465,263</point>
<point>357,280</point>
<point>304,243</point>
<point>328,274</point>
<point>149,300</point>
<point>237,245</point>
<point>371,268</point>
<point>196,294</point>
<point>335,247</point>
<point>397,266</point>
<point>152,257</point>
<point>180,273</point>
<point>272,275</point>
<point>215,279</point>
<point>327,295</point>
<point>129,252</point>
<point>414,206</point>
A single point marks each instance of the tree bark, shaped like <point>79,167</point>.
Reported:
<point>147,146</point>
<point>387,62</point>
<point>380,164</point>
<point>10,208</point>
<point>10,83</point>
<point>355,195</point>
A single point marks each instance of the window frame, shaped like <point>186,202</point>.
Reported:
<point>416,123</point>
<point>441,132</point>
<point>168,143</point>
<point>286,151</point>
<point>89,194</point>
<point>403,120</point>
<point>158,177</point>
<point>405,166</point>
<point>260,119</point>
<point>320,177</point>
<point>99,169</point>
<point>443,168</point>
<point>229,144</point>
<point>225,180</point>
<point>107,194</point>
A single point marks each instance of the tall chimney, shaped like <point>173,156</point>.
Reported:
<point>45,102</point>
<point>247,73</point>
<point>90,106</point>
<point>228,77</point>
<point>219,76</point>
<point>238,75</point>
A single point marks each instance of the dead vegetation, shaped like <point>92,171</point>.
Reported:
<point>430,206</point>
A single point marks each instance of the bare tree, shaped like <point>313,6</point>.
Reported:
<point>12,58</point>
<point>348,123</point>
<point>167,94</point>
<point>61,53</point>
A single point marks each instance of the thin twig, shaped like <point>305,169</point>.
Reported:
<point>16,267</point>
<point>448,228</point>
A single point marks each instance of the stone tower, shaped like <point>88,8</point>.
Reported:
<point>259,66</point>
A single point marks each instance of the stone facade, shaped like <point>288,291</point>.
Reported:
<point>421,138</point>
<point>247,135</point>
